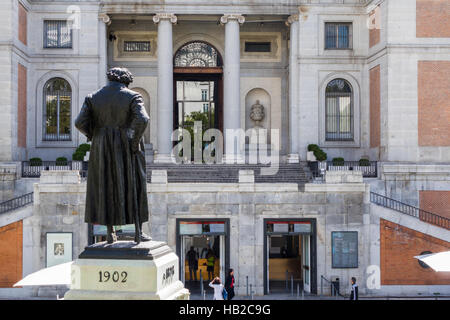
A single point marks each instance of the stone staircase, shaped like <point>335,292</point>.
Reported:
<point>229,173</point>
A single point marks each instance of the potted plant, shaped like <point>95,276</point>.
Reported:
<point>320,157</point>
<point>62,163</point>
<point>35,166</point>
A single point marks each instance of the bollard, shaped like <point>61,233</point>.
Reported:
<point>292,284</point>
<point>251,291</point>
<point>204,295</point>
<point>303,294</point>
<point>287,279</point>
<point>201,282</point>
<point>298,290</point>
<point>247,284</point>
<point>321,286</point>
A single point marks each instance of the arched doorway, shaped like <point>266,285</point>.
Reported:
<point>198,86</point>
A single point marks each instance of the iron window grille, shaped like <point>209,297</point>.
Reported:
<point>57,110</point>
<point>57,34</point>
<point>339,111</point>
<point>338,36</point>
<point>251,46</point>
<point>136,46</point>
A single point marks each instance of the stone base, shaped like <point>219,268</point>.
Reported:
<point>125,271</point>
<point>163,158</point>
<point>293,158</point>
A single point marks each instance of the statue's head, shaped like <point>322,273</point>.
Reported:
<point>120,74</point>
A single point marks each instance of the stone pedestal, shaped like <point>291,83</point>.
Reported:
<point>126,271</point>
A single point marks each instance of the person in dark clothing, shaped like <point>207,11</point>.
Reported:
<point>192,258</point>
<point>229,284</point>
<point>354,292</point>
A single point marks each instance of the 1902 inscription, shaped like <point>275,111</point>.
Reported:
<point>114,276</point>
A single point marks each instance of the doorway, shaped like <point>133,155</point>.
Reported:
<point>289,256</point>
<point>198,87</point>
<point>202,247</point>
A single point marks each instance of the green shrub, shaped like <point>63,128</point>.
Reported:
<point>338,161</point>
<point>364,162</point>
<point>35,162</point>
<point>61,161</point>
<point>84,147</point>
<point>318,153</point>
<point>78,156</point>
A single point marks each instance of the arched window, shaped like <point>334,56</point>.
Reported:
<point>197,54</point>
<point>339,111</point>
<point>57,107</point>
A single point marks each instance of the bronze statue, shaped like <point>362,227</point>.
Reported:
<point>114,119</point>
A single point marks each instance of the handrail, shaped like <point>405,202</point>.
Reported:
<point>412,211</point>
<point>33,169</point>
<point>318,169</point>
<point>333,287</point>
<point>16,203</point>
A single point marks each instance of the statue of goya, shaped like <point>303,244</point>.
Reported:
<point>114,119</point>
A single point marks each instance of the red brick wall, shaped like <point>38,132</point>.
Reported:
<point>398,246</point>
<point>433,18</point>
<point>22,107</point>
<point>437,202</point>
<point>374,27</point>
<point>22,24</point>
<point>10,254</point>
<point>375,107</point>
<point>434,103</point>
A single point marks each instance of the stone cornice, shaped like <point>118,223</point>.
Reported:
<point>165,16</point>
<point>232,17</point>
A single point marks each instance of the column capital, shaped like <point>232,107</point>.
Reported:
<point>291,19</point>
<point>104,18</point>
<point>165,16</point>
<point>230,17</point>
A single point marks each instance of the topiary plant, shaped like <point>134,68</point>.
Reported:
<point>364,162</point>
<point>318,153</point>
<point>338,161</point>
<point>78,156</point>
<point>35,162</point>
<point>84,147</point>
<point>61,161</point>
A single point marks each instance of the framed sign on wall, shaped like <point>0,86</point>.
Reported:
<point>344,249</point>
<point>58,248</point>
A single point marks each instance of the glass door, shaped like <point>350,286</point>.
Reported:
<point>222,259</point>
<point>182,258</point>
<point>306,264</point>
<point>268,265</point>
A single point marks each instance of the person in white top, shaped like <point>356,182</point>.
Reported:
<point>217,285</point>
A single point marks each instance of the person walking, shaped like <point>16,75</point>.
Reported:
<point>354,292</point>
<point>217,285</point>
<point>229,284</point>
<point>192,258</point>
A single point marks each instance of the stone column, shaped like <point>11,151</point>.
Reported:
<point>293,156</point>
<point>165,87</point>
<point>104,22</point>
<point>231,87</point>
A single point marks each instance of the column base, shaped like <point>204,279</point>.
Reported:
<point>293,158</point>
<point>163,158</point>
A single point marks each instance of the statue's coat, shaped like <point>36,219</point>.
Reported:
<point>114,119</point>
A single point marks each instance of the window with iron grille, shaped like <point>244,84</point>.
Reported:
<point>57,34</point>
<point>57,110</point>
<point>339,111</point>
<point>136,46</point>
<point>338,35</point>
<point>251,46</point>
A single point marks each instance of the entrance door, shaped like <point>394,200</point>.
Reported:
<point>306,264</point>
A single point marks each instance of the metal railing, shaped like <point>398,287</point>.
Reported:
<point>412,211</point>
<point>33,169</point>
<point>16,203</point>
<point>334,289</point>
<point>318,169</point>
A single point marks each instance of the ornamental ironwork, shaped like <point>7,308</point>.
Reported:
<point>197,54</point>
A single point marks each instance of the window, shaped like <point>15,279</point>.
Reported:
<point>204,95</point>
<point>338,35</point>
<point>57,110</point>
<point>339,111</point>
<point>197,54</point>
<point>136,46</point>
<point>57,34</point>
<point>257,47</point>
